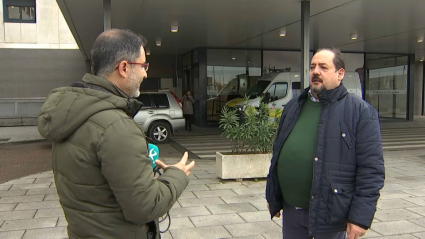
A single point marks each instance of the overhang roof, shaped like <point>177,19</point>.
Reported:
<point>382,26</point>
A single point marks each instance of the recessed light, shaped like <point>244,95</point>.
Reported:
<point>282,32</point>
<point>353,36</point>
<point>148,52</point>
<point>422,59</point>
<point>420,39</point>
<point>296,75</point>
<point>175,27</point>
<point>158,42</point>
<point>233,58</point>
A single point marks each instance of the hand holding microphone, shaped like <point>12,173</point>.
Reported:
<point>180,165</point>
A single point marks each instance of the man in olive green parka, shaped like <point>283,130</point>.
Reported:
<point>102,172</point>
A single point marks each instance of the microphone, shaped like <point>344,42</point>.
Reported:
<point>153,154</point>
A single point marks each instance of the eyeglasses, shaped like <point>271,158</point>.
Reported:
<point>145,66</point>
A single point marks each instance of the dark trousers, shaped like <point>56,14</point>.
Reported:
<point>188,121</point>
<point>295,225</point>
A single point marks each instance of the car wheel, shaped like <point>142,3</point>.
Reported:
<point>160,132</point>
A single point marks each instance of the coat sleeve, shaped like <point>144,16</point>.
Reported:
<point>370,169</point>
<point>123,154</point>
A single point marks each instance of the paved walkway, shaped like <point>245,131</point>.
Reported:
<point>208,208</point>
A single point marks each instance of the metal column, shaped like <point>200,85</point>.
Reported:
<point>305,39</point>
<point>107,15</point>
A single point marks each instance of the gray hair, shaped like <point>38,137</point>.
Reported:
<point>113,46</point>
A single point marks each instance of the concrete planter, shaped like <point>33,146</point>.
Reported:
<point>241,166</point>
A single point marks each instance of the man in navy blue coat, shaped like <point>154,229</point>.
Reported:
<point>327,167</point>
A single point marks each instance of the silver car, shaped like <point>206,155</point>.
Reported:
<point>160,116</point>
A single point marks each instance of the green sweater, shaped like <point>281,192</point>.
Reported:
<point>295,163</point>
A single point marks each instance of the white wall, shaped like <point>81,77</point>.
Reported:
<point>49,32</point>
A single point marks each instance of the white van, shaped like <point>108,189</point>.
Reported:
<point>278,88</point>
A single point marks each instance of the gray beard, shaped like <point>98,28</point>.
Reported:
<point>318,90</point>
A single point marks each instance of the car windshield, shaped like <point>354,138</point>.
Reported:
<point>257,89</point>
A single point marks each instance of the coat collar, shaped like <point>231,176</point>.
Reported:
<point>327,96</point>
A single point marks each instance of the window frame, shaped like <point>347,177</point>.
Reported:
<point>20,4</point>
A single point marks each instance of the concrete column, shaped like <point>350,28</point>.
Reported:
<point>305,39</point>
<point>107,15</point>
<point>411,85</point>
<point>203,81</point>
<point>419,72</point>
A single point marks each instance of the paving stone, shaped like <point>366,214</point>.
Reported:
<point>419,210</point>
<point>12,234</point>
<point>396,227</point>
<point>180,222</point>
<point>51,197</point>
<point>45,180</point>
<point>28,224</point>
<point>196,187</point>
<point>189,211</point>
<point>201,232</point>
<point>414,185</point>
<point>249,191</point>
<point>250,237</point>
<point>274,235</point>
<point>394,237</point>
<point>200,201</point>
<point>394,203</point>
<point>196,182</point>
<point>415,192</point>
<point>243,198</point>
<point>261,206</point>
<point>166,235</point>
<point>394,194</point>
<point>260,216</point>
<point>12,193</point>
<point>176,205</point>
<point>420,235</point>
<point>20,181</point>
<point>226,186</point>
<point>214,193</point>
<point>62,222</point>
<point>205,175</point>
<point>231,208</point>
<point>18,199</point>
<point>394,187</point>
<point>251,229</point>
<point>54,212</point>
<point>371,233</point>
<point>51,233</point>
<point>7,207</point>
<point>417,200</point>
<point>42,191</point>
<point>52,185</point>
<point>395,215</point>
<point>216,220</point>
<point>5,187</point>
<point>38,205</point>
<point>17,215</point>
<point>187,194</point>
<point>30,186</point>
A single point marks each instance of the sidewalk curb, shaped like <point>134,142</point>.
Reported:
<point>23,142</point>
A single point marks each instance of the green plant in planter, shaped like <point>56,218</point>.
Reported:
<point>251,130</point>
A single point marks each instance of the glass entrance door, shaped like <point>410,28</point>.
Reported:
<point>387,86</point>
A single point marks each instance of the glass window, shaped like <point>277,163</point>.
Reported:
<point>146,100</point>
<point>13,12</point>
<point>28,13</point>
<point>278,91</point>
<point>160,101</point>
<point>19,11</point>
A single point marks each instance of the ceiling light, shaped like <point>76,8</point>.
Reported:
<point>353,36</point>
<point>158,42</point>
<point>148,52</point>
<point>296,75</point>
<point>422,59</point>
<point>175,27</point>
<point>420,39</point>
<point>233,58</point>
<point>282,32</point>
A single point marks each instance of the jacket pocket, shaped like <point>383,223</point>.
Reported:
<point>346,136</point>
<point>339,202</point>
